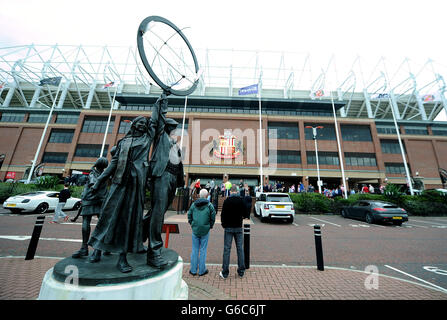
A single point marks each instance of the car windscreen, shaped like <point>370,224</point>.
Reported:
<point>385,205</point>
<point>278,198</point>
<point>31,194</point>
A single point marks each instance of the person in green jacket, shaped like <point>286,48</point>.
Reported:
<point>201,217</point>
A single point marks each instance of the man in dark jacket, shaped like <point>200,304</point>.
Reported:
<point>233,212</point>
<point>201,217</point>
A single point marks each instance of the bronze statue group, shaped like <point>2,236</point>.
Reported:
<point>121,227</point>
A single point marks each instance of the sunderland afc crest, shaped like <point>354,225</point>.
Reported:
<point>227,146</point>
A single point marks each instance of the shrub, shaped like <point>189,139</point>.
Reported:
<point>47,182</point>
<point>76,191</point>
<point>429,203</point>
<point>311,202</point>
<point>393,193</point>
<point>423,208</point>
<point>11,189</point>
<point>339,203</point>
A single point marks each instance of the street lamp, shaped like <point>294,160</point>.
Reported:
<point>314,134</point>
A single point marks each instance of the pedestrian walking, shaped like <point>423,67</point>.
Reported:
<point>233,212</point>
<point>64,195</point>
<point>201,217</point>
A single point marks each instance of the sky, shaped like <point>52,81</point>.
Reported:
<point>371,29</point>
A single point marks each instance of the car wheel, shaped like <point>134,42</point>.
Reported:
<point>42,208</point>
<point>343,213</point>
<point>290,220</point>
<point>369,218</point>
<point>77,205</point>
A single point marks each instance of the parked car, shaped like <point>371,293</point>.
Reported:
<point>274,205</point>
<point>38,202</point>
<point>375,211</point>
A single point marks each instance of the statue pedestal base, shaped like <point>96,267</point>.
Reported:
<point>77,279</point>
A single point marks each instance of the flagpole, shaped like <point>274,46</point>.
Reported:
<point>33,165</point>
<point>108,122</point>
<point>399,139</point>
<point>340,155</point>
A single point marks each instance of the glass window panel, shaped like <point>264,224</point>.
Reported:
<point>325,133</point>
<point>360,159</point>
<point>67,118</point>
<point>54,157</point>
<point>90,150</point>
<point>61,136</point>
<point>356,133</point>
<point>97,124</point>
<point>12,117</point>
<point>283,130</point>
<point>285,156</point>
<point>324,158</point>
<point>37,117</point>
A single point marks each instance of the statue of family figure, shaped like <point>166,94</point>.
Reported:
<point>120,228</point>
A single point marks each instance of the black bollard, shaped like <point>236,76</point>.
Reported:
<point>318,247</point>
<point>247,246</point>
<point>35,238</point>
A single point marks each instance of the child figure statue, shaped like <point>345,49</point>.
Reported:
<point>91,204</point>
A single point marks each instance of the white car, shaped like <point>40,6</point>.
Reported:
<point>274,205</point>
<point>39,202</point>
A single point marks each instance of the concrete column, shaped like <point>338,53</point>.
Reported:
<point>420,105</point>
<point>90,96</point>
<point>36,96</point>
<point>394,106</point>
<point>340,98</point>
<point>444,101</point>
<point>9,95</point>
<point>118,90</point>
<point>63,95</point>
<point>368,104</point>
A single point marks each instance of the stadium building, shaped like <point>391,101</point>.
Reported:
<point>221,131</point>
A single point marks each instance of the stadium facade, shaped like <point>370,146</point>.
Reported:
<point>221,129</point>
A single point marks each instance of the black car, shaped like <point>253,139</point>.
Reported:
<point>375,211</point>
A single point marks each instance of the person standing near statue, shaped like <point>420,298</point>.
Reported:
<point>166,175</point>
<point>91,203</point>
<point>120,225</point>
<point>232,215</point>
<point>201,217</point>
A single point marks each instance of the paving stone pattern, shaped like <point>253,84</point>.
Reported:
<point>20,279</point>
